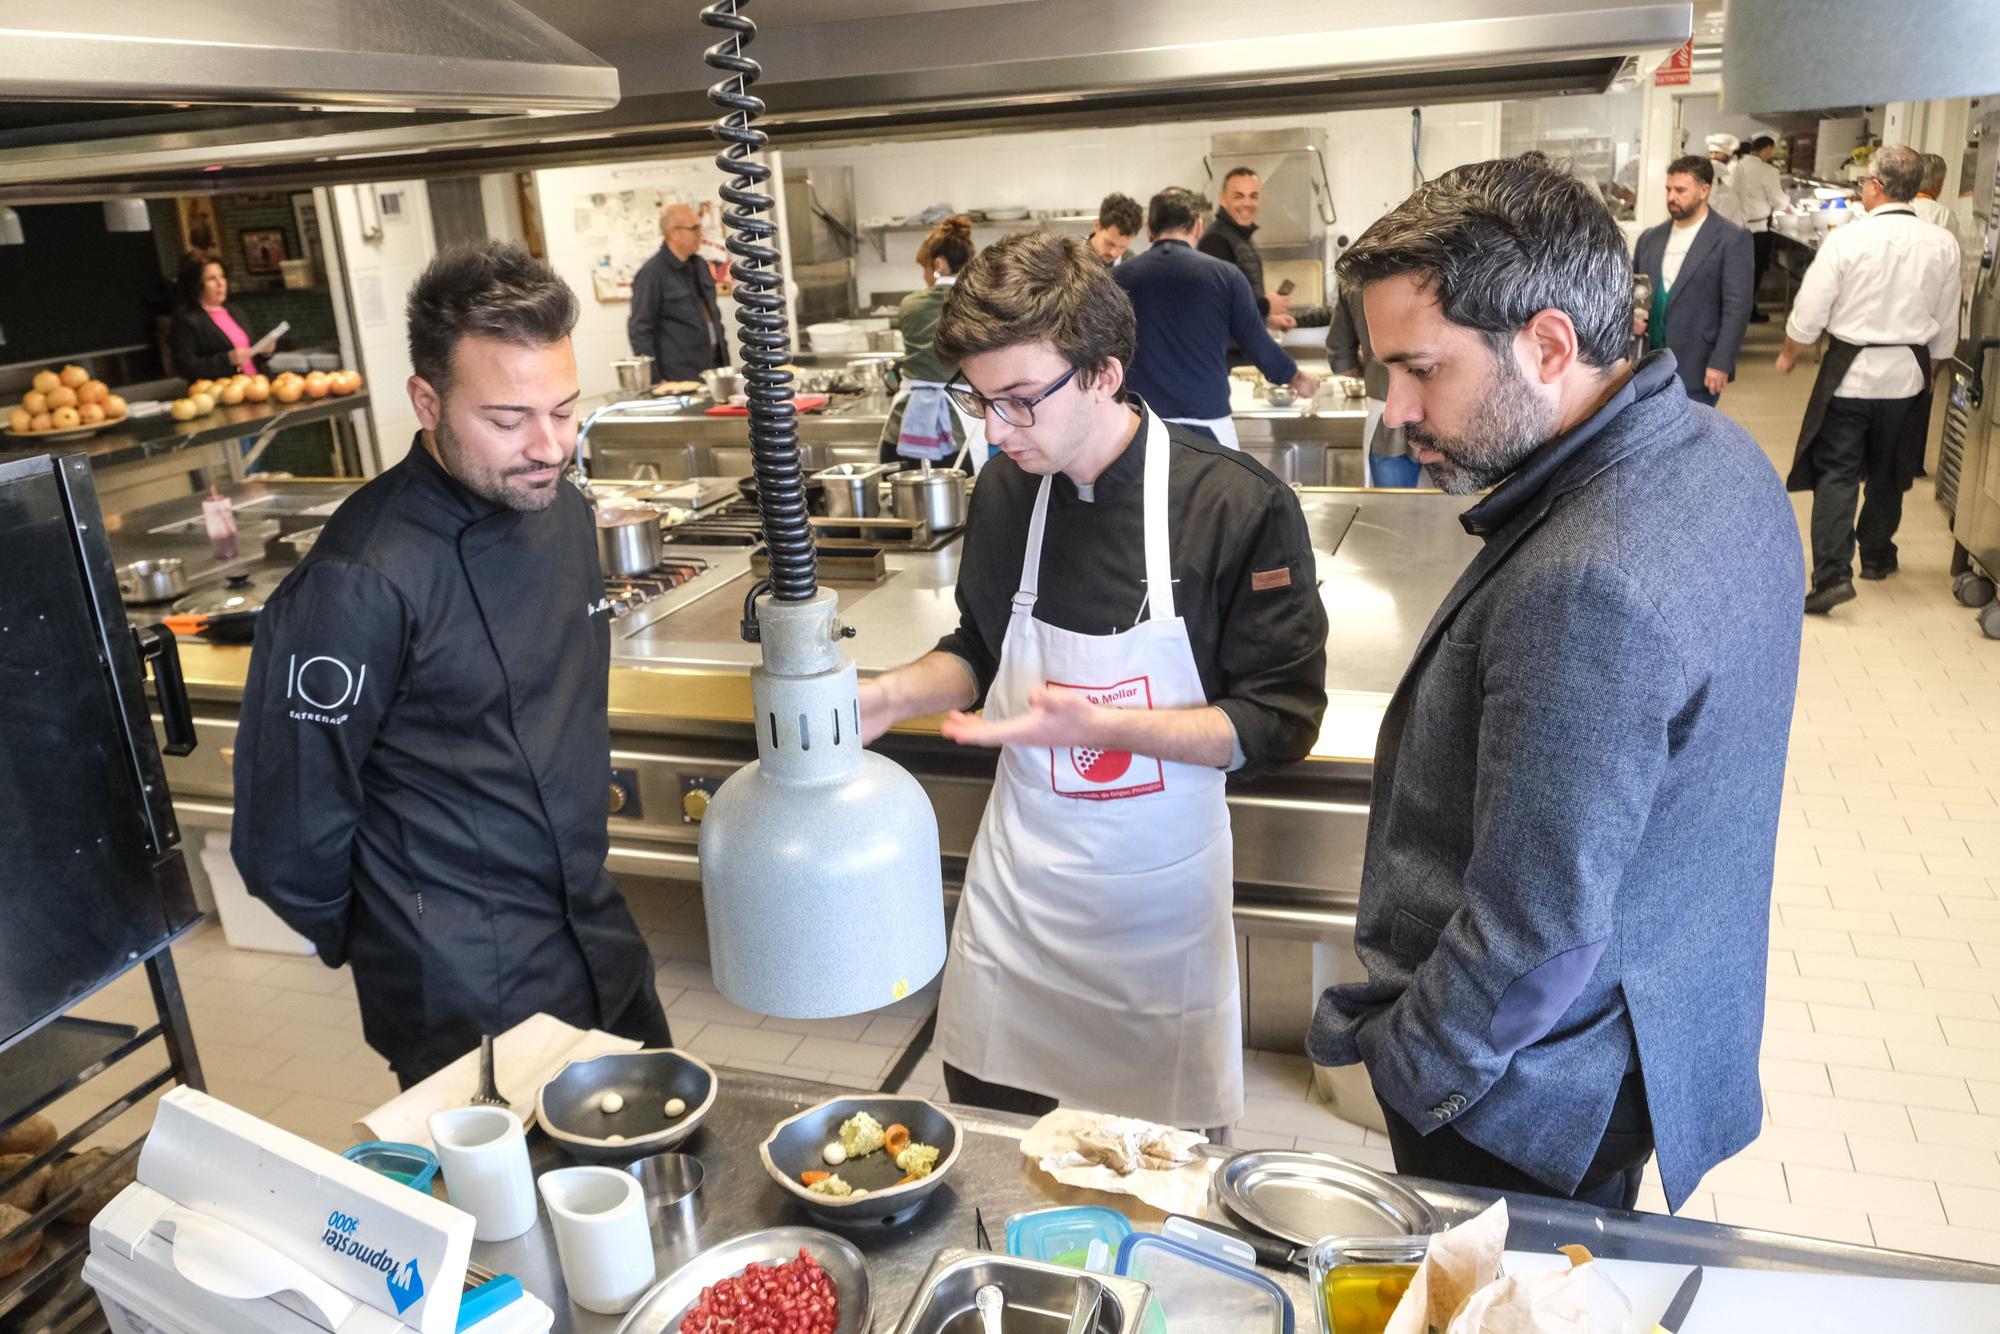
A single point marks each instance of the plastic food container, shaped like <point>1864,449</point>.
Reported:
<point>1357,1281</point>
<point>1064,1236</point>
<point>411,1164</point>
<point>1202,1285</point>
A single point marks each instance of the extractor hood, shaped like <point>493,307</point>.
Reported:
<point>866,70</point>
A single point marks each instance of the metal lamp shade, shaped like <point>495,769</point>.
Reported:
<point>10,227</point>
<point>126,215</point>
<point>1802,55</point>
<point>819,862</point>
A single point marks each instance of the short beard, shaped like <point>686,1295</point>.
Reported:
<point>1512,423</point>
<point>485,482</point>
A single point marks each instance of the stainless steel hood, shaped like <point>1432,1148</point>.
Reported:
<point>865,70</point>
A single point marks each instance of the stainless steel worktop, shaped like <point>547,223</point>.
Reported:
<point>992,1176</point>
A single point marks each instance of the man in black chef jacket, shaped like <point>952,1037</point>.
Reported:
<point>421,765</point>
<point>1138,616</point>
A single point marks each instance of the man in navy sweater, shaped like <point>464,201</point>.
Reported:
<point>1189,305</point>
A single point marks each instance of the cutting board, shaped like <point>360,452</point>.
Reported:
<point>1739,1301</point>
<point>801,402</point>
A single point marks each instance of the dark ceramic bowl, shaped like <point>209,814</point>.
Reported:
<point>795,1146</point>
<point>567,1106</point>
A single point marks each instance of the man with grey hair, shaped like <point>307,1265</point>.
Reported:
<point>1929,201</point>
<point>1575,806</point>
<point>1884,290</point>
<point>675,318</point>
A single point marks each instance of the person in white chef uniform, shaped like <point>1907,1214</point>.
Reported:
<point>1139,617</point>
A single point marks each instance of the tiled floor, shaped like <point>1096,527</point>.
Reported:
<point>1882,1050</point>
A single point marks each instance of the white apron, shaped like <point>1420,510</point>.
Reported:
<point>1222,428</point>
<point>1093,959</point>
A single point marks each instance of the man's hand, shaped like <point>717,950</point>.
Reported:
<point>1279,323</point>
<point>1281,303</point>
<point>1054,718</point>
<point>1640,318</point>
<point>1304,385</point>
<point>1787,359</point>
<point>1714,380</point>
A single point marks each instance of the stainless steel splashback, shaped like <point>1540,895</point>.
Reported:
<point>1298,193</point>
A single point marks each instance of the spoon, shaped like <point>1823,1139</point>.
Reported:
<point>990,1302</point>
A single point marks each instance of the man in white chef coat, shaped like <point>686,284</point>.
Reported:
<point>1760,190</point>
<point>1884,289</point>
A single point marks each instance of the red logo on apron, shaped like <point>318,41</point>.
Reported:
<point>1107,775</point>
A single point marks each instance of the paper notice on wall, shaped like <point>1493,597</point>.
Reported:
<point>369,307</point>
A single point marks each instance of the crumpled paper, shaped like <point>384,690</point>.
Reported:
<point>1058,1144</point>
<point>1460,1289</point>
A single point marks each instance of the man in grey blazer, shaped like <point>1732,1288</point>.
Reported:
<point>1566,889</point>
<point>1701,265</point>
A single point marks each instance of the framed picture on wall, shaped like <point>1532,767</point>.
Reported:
<point>263,249</point>
<point>305,217</point>
<point>199,229</point>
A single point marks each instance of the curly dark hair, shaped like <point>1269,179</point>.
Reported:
<point>1121,213</point>
<point>1037,287</point>
<point>489,289</point>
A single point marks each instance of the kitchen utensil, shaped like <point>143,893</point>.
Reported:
<point>1305,1196</point>
<point>1356,1280</point>
<point>722,384</point>
<point>484,1154</point>
<point>1279,395</point>
<point>853,490</point>
<point>935,495</point>
<point>152,580</point>
<point>602,1240</point>
<point>628,541</point>
<point>795,1144</point>
<point>1677,1310</point>
<point>671,1183</point>
<point>1041,1299</point>
<point>635,374</point>
<point>1063,1236</point>
<point>1203,1283</point>
<point>1006,214</point>
<point>1268,1250</point>
<point>568,1106</point>
<point>885,340</point>
<point>990,1302</point>
<point>411,1164</point>
<point>489,1092</point>
<point>667,1302</point>
<point>226,612</point>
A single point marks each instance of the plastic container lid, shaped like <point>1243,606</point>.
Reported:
<point>1063,1236</point>
<point>1196,1290</point>
<point>411,1164</point>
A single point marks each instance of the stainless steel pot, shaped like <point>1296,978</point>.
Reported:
<point>152,580</point>
<point>853,490</point>
<point>635,374</point>
<point>722,384</point>
<point>628,541</point>
<point>935,495</point>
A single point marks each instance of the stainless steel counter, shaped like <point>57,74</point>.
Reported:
<point>992,1176</point>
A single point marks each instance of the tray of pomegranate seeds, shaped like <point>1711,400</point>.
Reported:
<point>781,1279</point>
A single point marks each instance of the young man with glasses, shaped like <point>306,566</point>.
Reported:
<point>1139,617</point>
<point>675,319</point>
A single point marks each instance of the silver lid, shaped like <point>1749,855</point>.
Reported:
<point>1305,1196</point>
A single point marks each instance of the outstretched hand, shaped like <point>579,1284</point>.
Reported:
<point>1053,718</point>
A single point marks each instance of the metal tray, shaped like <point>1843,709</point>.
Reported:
<point>1305,1196</point>
<point>666,1303</point>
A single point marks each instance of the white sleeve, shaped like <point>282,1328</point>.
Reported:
<point>1944,304</point>
<point>1812,307</point>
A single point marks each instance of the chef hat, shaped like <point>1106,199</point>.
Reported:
<point>1722,143</point>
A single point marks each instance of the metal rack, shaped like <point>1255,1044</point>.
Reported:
<point>50,1061</point>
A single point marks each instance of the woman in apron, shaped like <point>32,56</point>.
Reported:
<point>923,423</point>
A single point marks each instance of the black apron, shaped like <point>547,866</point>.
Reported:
<point>1833,368</point>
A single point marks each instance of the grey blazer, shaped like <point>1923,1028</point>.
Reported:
<point>1575,809</point>
<point>1709,306</point>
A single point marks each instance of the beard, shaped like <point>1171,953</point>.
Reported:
<point>494,484</point>
<point>1512,423</point>
<point>1679,211</point>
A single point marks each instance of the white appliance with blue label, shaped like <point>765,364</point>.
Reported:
<point>236,1225</point>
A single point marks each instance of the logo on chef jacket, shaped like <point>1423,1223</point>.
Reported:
<point>1090,774</point>
<point>404,1281</point>
<point>320,687</point>
<point>591,609</point>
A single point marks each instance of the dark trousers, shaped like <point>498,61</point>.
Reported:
<point>1761,244</point>
<point>643,1019</point>
<point>1610,1182</point>
<point>1854,456</point>
<point>973,1091</point>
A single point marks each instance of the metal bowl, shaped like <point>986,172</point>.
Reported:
<point>567,1106</point>
<point>795,1145</point>
<point>666,1303</point>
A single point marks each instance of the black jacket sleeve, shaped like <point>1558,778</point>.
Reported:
<point>1255,340</point>
<point>329,654</point>
<point>983,590</point>
<point>1272,640</point>
<point>197,357</point>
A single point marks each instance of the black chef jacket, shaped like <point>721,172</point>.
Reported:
<point>1244,579</point>
<point>422,763</point>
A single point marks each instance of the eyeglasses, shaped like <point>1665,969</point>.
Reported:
<point>1013,411</point>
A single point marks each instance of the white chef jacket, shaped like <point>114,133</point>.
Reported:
<point>1759,191</point>
<point>1881,279</point>
<point>1722,198</point>
<point>1680,240</point>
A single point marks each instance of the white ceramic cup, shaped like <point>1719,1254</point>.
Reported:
<point>602,1237</point>
<point>484,1154</point>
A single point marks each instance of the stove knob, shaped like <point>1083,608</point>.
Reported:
<point>694,804</point>
<point>617,798</point>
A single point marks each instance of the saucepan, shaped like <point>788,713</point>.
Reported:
<point>628,541</point>
<point>635,374</point>
<point>152,580</point>
<point>936,495</point>
<point>722,385</point>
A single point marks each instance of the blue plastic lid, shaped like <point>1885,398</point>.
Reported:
<point>411,1164</point>
<point>1063,1236</point>
<point>1197,1291</point>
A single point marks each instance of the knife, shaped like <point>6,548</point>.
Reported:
<point>1272,1251</point>
<point>1683,1302</point>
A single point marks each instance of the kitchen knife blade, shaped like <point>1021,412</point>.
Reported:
<point>1683,1302</point>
